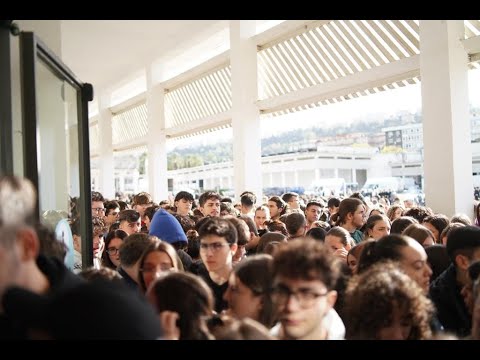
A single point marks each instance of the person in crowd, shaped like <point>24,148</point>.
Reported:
<point>420,233</point>
<point>313,211</point>
<point>304,278</point>
<point>21,263</point>
<point>248,292</point>
<point>354,255</point>
<point>351,216</point>
<point>157,258</point>
<point>98,229</point>
<point>131,252</point>
<point>130,221</point>
<point>444,234</point>
<point>317,233</point>
<point>376,227</point>
<point>218,245</point>
<point>262,215</point>
<point>112,209</point>
<point>98,209</point>
<point>404,312</point>
<point>295,224</point>
<point>339,241</point>
<point>438,259</point>
<point>184,303</point>
<point>395,212</point>
<point>277,207</point>
<point>209,203</point>
<point>149,213</point>
<point>292,199</point>
<point>183,203</point>
<point>463,248</point>
<point>166,227</point>
<point>247,201</point>
<point>111,255</point>
<point>436,223</point>
<point>269,238</point>
<point>401,224</point>
<point>461,218</point>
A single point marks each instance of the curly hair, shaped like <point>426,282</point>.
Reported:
<point>385,288</point>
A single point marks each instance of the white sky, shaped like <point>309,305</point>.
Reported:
<point>373,107</point>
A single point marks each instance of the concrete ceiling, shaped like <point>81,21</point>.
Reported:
<point>106,52</point>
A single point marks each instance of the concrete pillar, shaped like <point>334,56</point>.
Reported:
<point>446,125</point>
<point>245,114</point>
<point>107,172</point>
<point>157,140</point>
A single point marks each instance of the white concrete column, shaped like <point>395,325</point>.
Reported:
<point>317,174</point>
<point>271,179</point>
<point>446,125</point>
<point>107,172</point>
<point>354,175</point>
<point>247,168</point>
<point>295,177</point>
<point>335,170</point>
<point>157,140</point>
<point>283,177</point>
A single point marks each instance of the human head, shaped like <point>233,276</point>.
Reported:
<point>306,269</point>
<point>248,293</point>
<point>187,295</point>
<point>111,255</point>
<point>291,198</point>
<point>313,211</point>
<point>384,303</point>
<point>377,226</point>
<point>158,257</point>
<point>436,224</point>
<point>420,233</point>
<point>141,201</point>
<point>183,202</point>
<point>277,207</point>
<point>209,203</point>
<point>130,221</point>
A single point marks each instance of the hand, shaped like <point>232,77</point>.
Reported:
<point>341,253</point>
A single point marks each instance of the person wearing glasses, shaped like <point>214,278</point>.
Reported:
<point>218,244</point>
<point>304,277</point>
<point>111,255</point>
<point>98,209</point>
<point>112,209</point>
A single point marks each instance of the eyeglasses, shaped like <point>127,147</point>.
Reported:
<point>215,247</point>
<point>97,210</point>
<point>112,251</point>
<point>305,297</point>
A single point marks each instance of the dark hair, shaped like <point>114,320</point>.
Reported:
<point>133,247</point>
<point>419,213</point>
<point>386,248</point>
<point>268,238</point>
<point>242,230</point>
<point>129,215</point>
<point>439,222</point>
<point>463,241</point>
<point>317,233</point>
<point>110,205</point>
<point>333,202</point>
<point>248,198</point>
<point>150,211</point>
<point>184,195</point>
<point>208,195</point>
<point>438,259</point>
<point>120,234</point>
<point>219,227</point>
<point>307,259</point>
<point>400,224</point>
<point>294,222</point>
<point>347,206</point>
<point>418,232</point>
<point>190,297</point>
<point>255,272</point>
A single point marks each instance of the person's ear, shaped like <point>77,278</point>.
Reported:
<point>462,262</point>
<point>233,248</point>
<point>332,298</point>
<point>29,244</point>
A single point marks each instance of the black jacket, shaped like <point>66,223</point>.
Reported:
<point>451,309</point>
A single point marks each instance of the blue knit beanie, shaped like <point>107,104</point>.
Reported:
<point>167,228</point>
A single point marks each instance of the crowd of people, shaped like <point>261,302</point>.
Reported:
<point>212,268</point>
